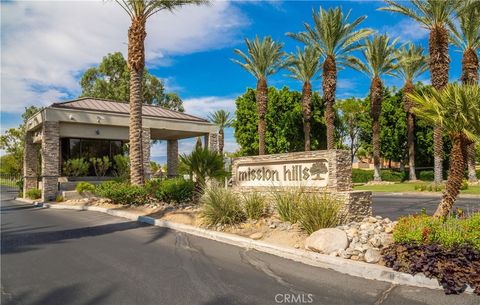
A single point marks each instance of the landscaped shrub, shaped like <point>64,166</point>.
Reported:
<point>450,232</point>
<point>172,190</point>
<point>122,193</point>
<point>287,202</point>
<point>34,193</point>
<point>318,211</point>
<point>361,175</point>
<point>364,176</point>
<point>435,187</point>
<point>83,187</point>
<point>255,205</point>
<point>464,185</point>
<point>59,198</point>
<point>101,165</point>
<point>75,167</point>
<point>420,187</point>
<point>121,167</point>
<point>454,268</point>
<point>221,206</point>
<point>426,175</point>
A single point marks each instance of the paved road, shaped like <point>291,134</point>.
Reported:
<point>79,257</point>
<point>395,205</point>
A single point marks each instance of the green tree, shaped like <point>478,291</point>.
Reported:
<point>13,142</point>
<point>303,67</point>
<point>110,80</point>
<point>457,108</point>
<point>139,11</point>
<point>411,64</point>
<point>265,57</point>
<point>467,39</point>
<point>436,16</point>
<point>222,119</point>
<point>336,38</point>
<point>379,56</point>
<point>352,113</point>
<point>284,122</point>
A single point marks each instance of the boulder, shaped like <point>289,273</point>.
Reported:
<point>372,255</point>
<point>327,240</point>
<point>256,236</point>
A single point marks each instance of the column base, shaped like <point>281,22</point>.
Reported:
<point>49,188</point>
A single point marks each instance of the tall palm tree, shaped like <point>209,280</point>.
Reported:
<point>336,38</point>
<point>457,107</point>
<point>468,40</point>
<point>303,67</point>
<point>379,55</point>
<point>139,11</point>
<point>436,16</point>
<point>222,119</point>
<point>265,57</point>
<point>411,63</point>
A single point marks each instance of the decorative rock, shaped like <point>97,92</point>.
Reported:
<point>272,226</point>
<point>327,240</point>
<point>372,255</point>
<point>256,236</point>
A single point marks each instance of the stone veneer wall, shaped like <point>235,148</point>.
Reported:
<point>30,164</point>
<point>146,140</point>
<point>172,158</point>
<point>50,160</point>
<point>356,204</point>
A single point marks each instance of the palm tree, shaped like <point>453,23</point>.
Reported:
<point>379,55</point>
<point>336,38</point>
<point>222,119</point>
<point>303,67</point>
<point>139,11</point>
<point>411,63</point>
<point>457,107</point>
<point>468,40</point>
<point>436,16</point>
<point>265,57</point>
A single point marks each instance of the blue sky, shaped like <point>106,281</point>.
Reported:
<point>47,45</point>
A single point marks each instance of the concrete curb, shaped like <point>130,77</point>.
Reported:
<point>354,268</point>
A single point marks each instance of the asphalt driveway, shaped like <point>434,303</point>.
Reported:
<point>79,257</point>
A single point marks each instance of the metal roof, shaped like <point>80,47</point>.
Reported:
<point>95,104</point>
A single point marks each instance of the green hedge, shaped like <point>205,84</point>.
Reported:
<point>364,176</point>
<point>34,193</point>
<point>171,190</point>
<point>122,193</point>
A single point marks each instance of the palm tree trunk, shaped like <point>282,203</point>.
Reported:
<point>307,112</point>
<point>329,85</point>
<point>262,99</point>
<point>220,142</point>
<point>376,103</point>
<point>458,157</point>
<point>439,66</point>
<point>409,88</point>
<point>470,76</point>
<point>136,64</point>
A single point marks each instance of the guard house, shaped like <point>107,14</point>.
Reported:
<point>90,127</point>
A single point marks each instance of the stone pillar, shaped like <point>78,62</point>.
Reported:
<point>50,157</point>
<point>30,164</point>
<point>146,140</point>
<point>213,141</point>
<point>172,158</point>
<point>206,139</point>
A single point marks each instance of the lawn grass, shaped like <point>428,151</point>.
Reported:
<point>408,187</point>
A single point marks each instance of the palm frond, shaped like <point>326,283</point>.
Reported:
<point>412,61</point>
<point>379,56</point>
<point>265,57</point>
<point>305,64</point>
<point>221,118</point>
<point>467,34</point>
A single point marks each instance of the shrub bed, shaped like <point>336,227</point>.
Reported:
<point>364,176</point>
<point>454,268</point>
<point>83,187</point>
<point>221,207</point>
<point>122,193</point>
<point>176,190</point>
<point>34,193</point>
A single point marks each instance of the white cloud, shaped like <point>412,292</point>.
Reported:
<point>47,44</point>
<point>202,106</point>
<point>406,30</point>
